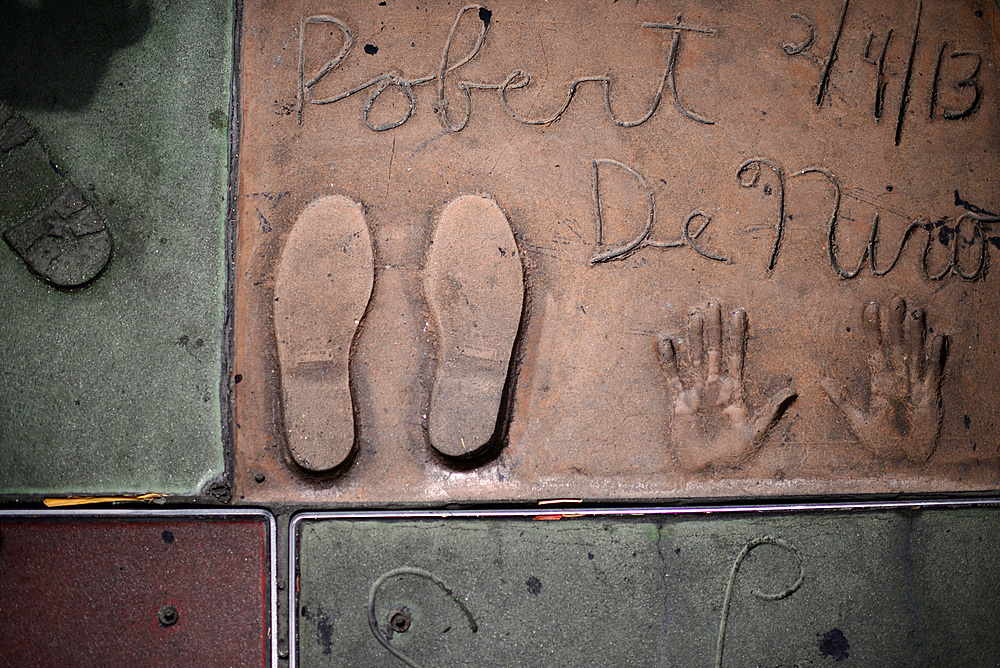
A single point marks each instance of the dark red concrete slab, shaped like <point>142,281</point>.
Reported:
<point>136,589</point>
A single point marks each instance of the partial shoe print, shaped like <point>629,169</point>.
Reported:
<point>64,242</point>
<point>324,282</point>
<point>474,283</point>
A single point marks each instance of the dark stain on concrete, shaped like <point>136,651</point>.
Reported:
<point>71,46</point>
<point>218,120</point>
<point>324,629</point>
<point>834,644</point>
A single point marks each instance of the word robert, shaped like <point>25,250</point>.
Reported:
<point>516,80</point>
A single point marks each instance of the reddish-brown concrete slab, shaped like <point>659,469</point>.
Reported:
<point>755,241</point>
<point>128,590</point>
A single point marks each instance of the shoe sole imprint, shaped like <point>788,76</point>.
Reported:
<point>323,286</point>
<point>474,284</point>
<point>66,243</point>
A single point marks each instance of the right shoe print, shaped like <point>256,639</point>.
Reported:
<point>474,284</point>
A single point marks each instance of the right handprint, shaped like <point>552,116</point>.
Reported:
<point>904,414</point>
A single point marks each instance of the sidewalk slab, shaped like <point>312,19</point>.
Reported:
<point>137,588</point>
<point>114,387</point>
<point>875,587</point>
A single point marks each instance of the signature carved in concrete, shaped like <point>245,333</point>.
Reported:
<point>399,622</point>
<point>516,80</point>
<point>727,600</point>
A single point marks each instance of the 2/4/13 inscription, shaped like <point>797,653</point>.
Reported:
<point>960,81</point>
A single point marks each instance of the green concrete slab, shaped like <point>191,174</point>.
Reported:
<point>870,588</point>
<point>114,387</point>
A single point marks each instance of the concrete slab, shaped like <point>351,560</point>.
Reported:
<point>754,244</point>
<point>137,587</point>
<point>888,587</point>
<point>115,386</point>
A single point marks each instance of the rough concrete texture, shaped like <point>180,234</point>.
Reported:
<point>757,241</point>
<point>126,591</point>
<point>813,589</point>
<point>114,387</point>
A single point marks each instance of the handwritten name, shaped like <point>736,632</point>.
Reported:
<point>456,116</point>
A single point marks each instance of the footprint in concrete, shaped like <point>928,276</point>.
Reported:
<point>323,285</point>
<point>61,239</point>
<point>474,283</point>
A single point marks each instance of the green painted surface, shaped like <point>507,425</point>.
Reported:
<point>877,589</point>
<point>115,387</point>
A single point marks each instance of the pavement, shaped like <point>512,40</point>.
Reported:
<point>115,387</point>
